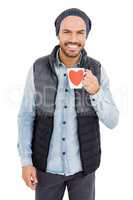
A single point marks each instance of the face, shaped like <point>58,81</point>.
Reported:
<point>72,36</point>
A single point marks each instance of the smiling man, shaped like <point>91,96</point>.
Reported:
<point>59,133</point>
<point>72,37</point>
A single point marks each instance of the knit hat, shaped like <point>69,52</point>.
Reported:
<point>73,12</point>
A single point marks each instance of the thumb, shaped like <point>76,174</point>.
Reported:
<point>34,177</point>
<point>88,70</point>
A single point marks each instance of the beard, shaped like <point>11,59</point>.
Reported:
<point>71,53</point>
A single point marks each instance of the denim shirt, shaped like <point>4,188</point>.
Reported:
<point>64,154</point>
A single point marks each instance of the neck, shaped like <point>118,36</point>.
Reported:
<point>68,61</point>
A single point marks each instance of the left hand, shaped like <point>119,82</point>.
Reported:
<point>90,82</point>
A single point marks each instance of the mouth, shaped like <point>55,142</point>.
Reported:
<point>72,47</point>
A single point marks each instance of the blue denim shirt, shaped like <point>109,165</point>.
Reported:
<point>64,154</point>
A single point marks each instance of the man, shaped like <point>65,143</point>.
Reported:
<point>59,133</point>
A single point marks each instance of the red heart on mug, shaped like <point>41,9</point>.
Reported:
<point>76,76</point>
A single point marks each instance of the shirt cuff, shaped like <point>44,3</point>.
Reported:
<point>26,160</point>
<point>96,98</point>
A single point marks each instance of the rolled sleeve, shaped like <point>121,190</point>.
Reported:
<point>104,104</point>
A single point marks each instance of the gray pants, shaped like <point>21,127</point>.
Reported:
<point>52,186</point>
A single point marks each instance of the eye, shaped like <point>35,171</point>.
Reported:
<point>66,32</point>
<point>81,33</point>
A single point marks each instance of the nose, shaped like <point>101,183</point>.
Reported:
<point>73,38</point>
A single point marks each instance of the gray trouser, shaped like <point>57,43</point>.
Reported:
<point>52,186</point>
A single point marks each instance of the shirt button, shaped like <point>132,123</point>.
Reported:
<point>63,138</point>
<point>63,153</point>
<point>65,74</point>
<point>66,90</point>
<point>93,99</point>
<point>65,106</point>
<point>64,122</point>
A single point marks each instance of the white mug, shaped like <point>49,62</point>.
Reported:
<point>75,77</point>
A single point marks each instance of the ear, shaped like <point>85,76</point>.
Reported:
<point>58,37</point>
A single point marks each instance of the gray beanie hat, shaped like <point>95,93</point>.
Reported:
<point>73,12</point>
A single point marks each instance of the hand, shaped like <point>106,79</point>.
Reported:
<point>90,82</point>
<point>29,176</point>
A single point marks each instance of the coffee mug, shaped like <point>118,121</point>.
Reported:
<point>75,77</point>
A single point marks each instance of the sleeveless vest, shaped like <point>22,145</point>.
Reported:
<point>88,130</point>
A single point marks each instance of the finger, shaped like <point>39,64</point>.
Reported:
<point>88,70</point>
<point>26,179</point>
<point>84,83</point>
<point>88,74</point>
<point>31,184</point>
<point>87,78</point>
<point>34,178</point>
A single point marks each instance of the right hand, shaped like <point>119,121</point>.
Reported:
<point>29,176</point>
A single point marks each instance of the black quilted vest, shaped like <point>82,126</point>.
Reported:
<point>46,83</point>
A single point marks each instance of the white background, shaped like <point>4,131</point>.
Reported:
<point>26,33</point>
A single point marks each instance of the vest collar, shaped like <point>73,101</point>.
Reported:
<point>53,58</point>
